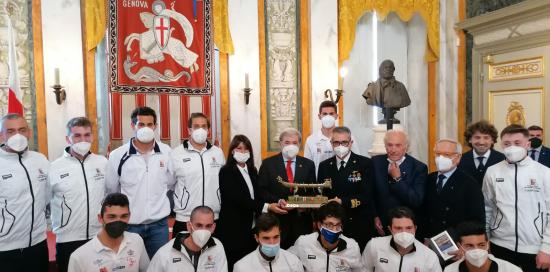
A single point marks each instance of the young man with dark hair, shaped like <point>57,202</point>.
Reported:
<point>23,198</point>
<point>537,151</point>
<point>197,164</point>
<point>268,256</point>
<point>328,249</point>
<point>481,137</point>
<point>77,182</point>
<point>142,170</point>
<point>517,201</point>
<point>195,250</point>
<point>473,241</point>
<point>318,147</point>
<point>400,251</point>
<point>113,248</point>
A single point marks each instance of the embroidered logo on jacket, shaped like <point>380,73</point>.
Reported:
<point>4,177</point>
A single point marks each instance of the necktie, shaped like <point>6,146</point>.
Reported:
<point>480,166</point>
<point>289,174</point>
<point>342,165</point>
<point>440,180</point>
<point>533,153</point>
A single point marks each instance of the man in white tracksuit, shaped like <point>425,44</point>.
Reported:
<point>195,250</point>
<point>196,165</point>
<point>473,241</point>
<point>328,249</point>
<point>77,182</point>
<point>269,256</point>
<point>517,203</point>
<point>400,251</point>
<point>23,190</point>
<point>141,169</point>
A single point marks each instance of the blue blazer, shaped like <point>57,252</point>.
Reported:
<point>468,166</point>
<point>408,192</point>
<point>544,156</point>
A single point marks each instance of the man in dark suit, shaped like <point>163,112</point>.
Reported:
<point>481,137</point>
<point>352,178</point>
<point>292,168</point>
<point>399,179</point>
<point>538,152</point>
<point>451,195</point>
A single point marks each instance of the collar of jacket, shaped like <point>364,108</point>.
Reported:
<point>132,150</point>
<point>186,144</point>
<point>178,242</point>
<point>342,245</point>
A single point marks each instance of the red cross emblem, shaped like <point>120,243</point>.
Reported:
<point>162,30</point>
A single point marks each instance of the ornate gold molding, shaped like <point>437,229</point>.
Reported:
<point>516,69</point>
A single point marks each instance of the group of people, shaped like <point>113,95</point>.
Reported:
<point>112,214</point>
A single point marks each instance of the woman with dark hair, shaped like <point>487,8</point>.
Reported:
<point>239,201</point>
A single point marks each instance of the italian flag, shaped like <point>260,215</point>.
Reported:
<point>15,95</point>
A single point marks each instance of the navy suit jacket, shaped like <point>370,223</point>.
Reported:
<point>409,191</point>
<point>544,156</point>
<point>468,166</point>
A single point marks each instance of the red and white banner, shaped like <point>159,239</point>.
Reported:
<point>161,46</point>
<point>15,94</point>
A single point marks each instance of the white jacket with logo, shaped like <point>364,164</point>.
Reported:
<point>23,190</point>
<point>77,190</point>
<point>517,203</point>
<point>145,179</point>
<point>345,257</point>
<point>197,179</point>
<point>283,262</point>
<point>173,257</point>
<point>380,255</point>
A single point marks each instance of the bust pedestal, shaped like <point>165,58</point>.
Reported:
<point>378,147</point>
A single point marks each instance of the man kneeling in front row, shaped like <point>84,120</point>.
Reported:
<point>475,244</point>
<point>113,249</point>
<point>195,250</point>
<point>268,256</point>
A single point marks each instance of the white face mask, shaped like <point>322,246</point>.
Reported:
<point>341,151</point>
<point>443,164</point>
<point>81,148</point>
<point>145,134</point>
<point>199,135</point>
<point>17,142</point>
<point>290,151</point>
<point>328,121</point>
<point>477,257</point>
<point>241,157</point>
<point>515,153</point>
<point>404,239</point>
<point>200,237</point>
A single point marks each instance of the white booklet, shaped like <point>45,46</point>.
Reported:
<point>443,244</point>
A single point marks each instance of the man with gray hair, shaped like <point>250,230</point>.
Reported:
<point>293,169</point>
<point>399,179</point>
<point>23,190</point>
<point>452,196</point>
<point>77,182</point>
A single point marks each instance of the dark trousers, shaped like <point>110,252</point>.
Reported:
<point>30,259</point>
<point>527,262</point>
<point>294,224</point>
<point>63,252</point>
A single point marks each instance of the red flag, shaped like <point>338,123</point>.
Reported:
<point>15,95</point>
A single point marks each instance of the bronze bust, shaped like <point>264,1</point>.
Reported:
<point>387,93</point>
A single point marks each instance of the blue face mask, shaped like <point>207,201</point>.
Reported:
<point>270,250</point>
<point>330,236</point>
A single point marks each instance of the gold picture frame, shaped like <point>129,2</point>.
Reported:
<point>517,106</point>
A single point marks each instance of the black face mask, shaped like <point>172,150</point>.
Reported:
<point>115,229</point>
<point>535,142</point>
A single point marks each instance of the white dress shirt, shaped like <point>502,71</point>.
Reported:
<point>485,157</point>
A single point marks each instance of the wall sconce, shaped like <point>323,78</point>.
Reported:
<point>339,93</point>
<point>246,89</point>
<point>59,90</point>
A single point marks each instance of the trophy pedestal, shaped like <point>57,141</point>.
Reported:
<point>306,201</point>
<point>378,147</point>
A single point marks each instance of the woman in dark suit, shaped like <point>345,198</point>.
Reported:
<point>239,201</point>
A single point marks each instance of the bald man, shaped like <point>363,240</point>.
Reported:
<point>398,179</point>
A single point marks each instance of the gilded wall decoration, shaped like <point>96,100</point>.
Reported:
<point>524,107</point>
<point>517,69</point>
<point>282,43</point>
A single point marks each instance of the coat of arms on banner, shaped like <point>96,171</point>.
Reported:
<point>161,46</point>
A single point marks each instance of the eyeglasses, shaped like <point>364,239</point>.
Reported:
<point>445,154</point>
<point>342,143</point>
<point>336,227</point>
